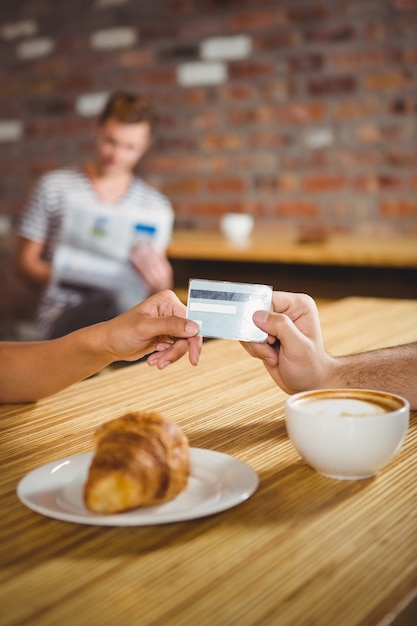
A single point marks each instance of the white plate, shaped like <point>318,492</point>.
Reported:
<point>217,482</point>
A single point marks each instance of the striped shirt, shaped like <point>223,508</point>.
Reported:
<point>42,219</point>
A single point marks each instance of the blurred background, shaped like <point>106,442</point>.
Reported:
<point>299,112</point>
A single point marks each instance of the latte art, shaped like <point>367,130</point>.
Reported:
<point>344,407</point>
<point>347,403</point>
<point>347,434</point>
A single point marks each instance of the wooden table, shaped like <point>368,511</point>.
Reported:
<point>302,550</point>
<point>337,267</point>
<point>271,247</point>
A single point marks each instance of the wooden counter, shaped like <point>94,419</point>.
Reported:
<point>302,550</point>
<point>338,267</point>
<point>269,247</point>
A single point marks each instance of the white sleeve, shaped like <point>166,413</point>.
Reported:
<point>34,222</point>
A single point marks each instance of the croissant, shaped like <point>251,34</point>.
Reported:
<point>141,459</point>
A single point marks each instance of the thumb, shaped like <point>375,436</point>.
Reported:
<point>260,318</point>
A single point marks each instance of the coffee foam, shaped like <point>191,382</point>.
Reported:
<point>344,407</point>
<point>345,403</point>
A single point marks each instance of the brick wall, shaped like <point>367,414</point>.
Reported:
<point>298,111</point>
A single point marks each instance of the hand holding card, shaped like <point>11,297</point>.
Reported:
<point>224,310</point>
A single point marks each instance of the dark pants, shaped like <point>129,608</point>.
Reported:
<point>97,306</point>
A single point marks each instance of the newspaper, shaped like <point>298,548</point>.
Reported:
<point>95,244</point>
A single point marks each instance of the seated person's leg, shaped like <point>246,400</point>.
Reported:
<point>96,307</point>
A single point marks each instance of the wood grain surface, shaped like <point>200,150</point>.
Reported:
<point>271,247</point>
<point>303,550</point>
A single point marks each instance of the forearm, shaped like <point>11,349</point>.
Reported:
<point>30,263</point>
<point>31,371</point>
<point>38,273</point>
<point>391,369</point>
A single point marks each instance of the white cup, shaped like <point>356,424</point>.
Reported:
<point>237,227</point>
<point>347,433</point>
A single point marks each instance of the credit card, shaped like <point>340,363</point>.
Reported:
<point>224,309</point>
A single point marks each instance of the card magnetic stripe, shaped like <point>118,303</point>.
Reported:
<point>205,294</point>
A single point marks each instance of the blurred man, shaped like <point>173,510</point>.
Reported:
<point>106,191</point>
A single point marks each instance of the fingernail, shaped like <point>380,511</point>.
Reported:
<point>191,327</point>
<point>260,316</point>
<point>164,364</point>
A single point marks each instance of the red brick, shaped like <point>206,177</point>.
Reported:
<point>388,81</point>
<point>199,27</point>
<point>328,34</point>
<point>278,40</point>
<point>181,186</point>
<point>135,58</point>
<point>207,118</point>
<point>271,183</point>
<point>69,45</point>
<point>354,158</point>
<point>42,166</point>
<point>38,87</point>
<point>182,97</point>
<point>168,164</point>
<point>402,158</point>
<point>296,208</point>
<point>160,76</point>
<point>374,30</point>
<point>355,109</point>
<point>227,185</point>
<point>263,161</point>
<point>172,163</point>
<point>401,208</point>
<point>405,5</point>
<point>258,115</point>
<point>172,144</point>
<point>252,20</point>
<point>232,92</point>
<point>257,208</point>
<point>312,61</point>
<point>157,30</point>
<point>247,70</point>
<point>301,112</point>
<point>356,59</point>
<point>331,85</point>
<point>178,52</point>
<point>386,132</point>
<point>396,55</point>
<point>50,66</point>
<point>50,128</point>
<point>320,183</point>
<point>75,83</point>
<point>410,56</point>
<point>214,209</point>
<point>277,90</point>
<point>194,97</point>
<point>368,133</point>
<point>306,159</point>
<point>376,183</point>
<point>414,181</point>
<point>306,14</point>
<point>404,105</point>
<point>268,139</point>
<point>224,141</point>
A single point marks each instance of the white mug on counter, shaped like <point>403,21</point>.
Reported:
<point>237,227</point>
<point>347,433</point>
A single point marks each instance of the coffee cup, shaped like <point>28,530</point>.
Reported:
<point>237,227</point>
<point>347,434</point>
